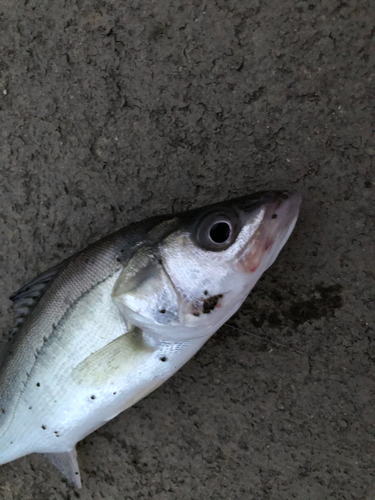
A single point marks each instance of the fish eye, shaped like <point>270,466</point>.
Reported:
<point>220,232</point>
<point>216,231</point>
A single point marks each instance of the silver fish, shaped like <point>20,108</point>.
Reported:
<point>109,325</point>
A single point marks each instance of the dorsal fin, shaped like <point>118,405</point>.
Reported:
<point>27,296</point>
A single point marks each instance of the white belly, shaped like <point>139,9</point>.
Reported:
<point>107,370</point>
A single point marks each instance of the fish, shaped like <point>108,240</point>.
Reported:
<point>110,324</point>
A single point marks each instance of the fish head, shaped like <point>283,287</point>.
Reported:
<point>193,280</point>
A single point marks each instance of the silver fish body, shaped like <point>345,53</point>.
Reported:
<point>110,324</point>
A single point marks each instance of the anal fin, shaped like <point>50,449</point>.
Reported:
<point>67,464</point>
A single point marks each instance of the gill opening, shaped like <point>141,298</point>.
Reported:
<point>178,294</point>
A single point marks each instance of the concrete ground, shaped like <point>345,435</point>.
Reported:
<point>113,111</point>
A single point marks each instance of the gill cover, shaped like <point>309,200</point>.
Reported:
<point>144,294</point>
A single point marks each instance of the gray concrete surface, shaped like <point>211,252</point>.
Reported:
<point>113,111</point>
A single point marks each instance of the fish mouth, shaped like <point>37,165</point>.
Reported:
<point>280,216</point>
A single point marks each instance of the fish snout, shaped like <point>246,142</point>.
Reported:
<point>281,210</point>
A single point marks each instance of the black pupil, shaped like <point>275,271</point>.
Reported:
<point>220,232</point>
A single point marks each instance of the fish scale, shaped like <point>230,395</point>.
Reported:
<point>110,324</point>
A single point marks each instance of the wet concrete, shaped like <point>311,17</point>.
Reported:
<point>113,111</point>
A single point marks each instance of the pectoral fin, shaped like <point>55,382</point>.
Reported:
<point>116,359</point>
<point>67,464</point>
